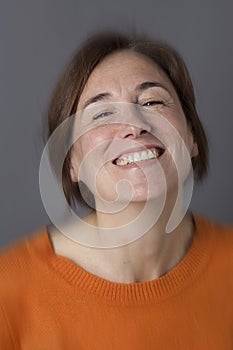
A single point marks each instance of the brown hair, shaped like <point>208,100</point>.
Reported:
<point>71,84</point>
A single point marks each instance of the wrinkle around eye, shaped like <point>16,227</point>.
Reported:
<point>153,102</point>
<point>102,115</point>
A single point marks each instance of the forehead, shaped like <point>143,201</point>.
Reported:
<point>123,58</point>
<point>122,71</point>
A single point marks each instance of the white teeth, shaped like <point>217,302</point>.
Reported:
<point>137,157</point>
<point>144,155</point>
<point>124,161</point>
<point>150,154</point>
<point>156,154</point>
<point>130,159</point>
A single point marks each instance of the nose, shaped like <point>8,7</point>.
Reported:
<point>132,132</point>
<point>133,123</point>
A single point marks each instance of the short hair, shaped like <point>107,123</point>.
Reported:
<point>74,78</point>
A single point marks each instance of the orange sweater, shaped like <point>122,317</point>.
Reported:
<point>49,303</point>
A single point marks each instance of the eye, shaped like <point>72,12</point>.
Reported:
<point>152,103</point>
<point>102,115</point>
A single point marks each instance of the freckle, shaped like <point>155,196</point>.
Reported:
<point>125,262</point>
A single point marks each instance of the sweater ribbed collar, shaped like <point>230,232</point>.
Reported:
<point>180,277</point>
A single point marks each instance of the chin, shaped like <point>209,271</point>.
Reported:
<point>144,195</point>
<point>150,197</point>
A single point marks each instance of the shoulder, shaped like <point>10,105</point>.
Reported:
<point>221,232</point>
<point>224,243</point>
<point>20,267</point>
<point>18,252</point>
<point>219,243</point>
<point>21,259</point>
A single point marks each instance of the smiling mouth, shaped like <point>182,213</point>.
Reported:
<point>140,156</point>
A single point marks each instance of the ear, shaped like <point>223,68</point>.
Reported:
<point>194,151</point>
<point>74,168</point>
<point>73,174</point>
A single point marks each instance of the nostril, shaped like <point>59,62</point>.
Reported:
<point>143,132</point>
<point>129,135</point>
<point>135,133</point>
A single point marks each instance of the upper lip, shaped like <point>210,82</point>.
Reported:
<point>139,149</point>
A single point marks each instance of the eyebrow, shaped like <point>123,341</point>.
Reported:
<point>150,84</point>
<point>141,87</point>
<point>100,97</point>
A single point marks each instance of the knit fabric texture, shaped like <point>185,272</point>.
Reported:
<point>50,303</point>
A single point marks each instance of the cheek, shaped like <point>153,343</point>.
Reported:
<point>85,144</point>
<point>88,152</point>
<point>96,141</point>
<point>179,123</point>
<point>94,138</point>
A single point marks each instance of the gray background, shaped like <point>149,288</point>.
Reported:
<point>37,38</point>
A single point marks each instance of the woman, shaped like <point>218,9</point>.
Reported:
<point>152,275</point>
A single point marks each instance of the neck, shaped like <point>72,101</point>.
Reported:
<point>150,255</point>
<point>148,252</point>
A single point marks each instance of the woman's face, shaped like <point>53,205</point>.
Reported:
<point>126,158</point>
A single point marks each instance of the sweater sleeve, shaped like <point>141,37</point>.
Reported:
<point>6,337</point>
